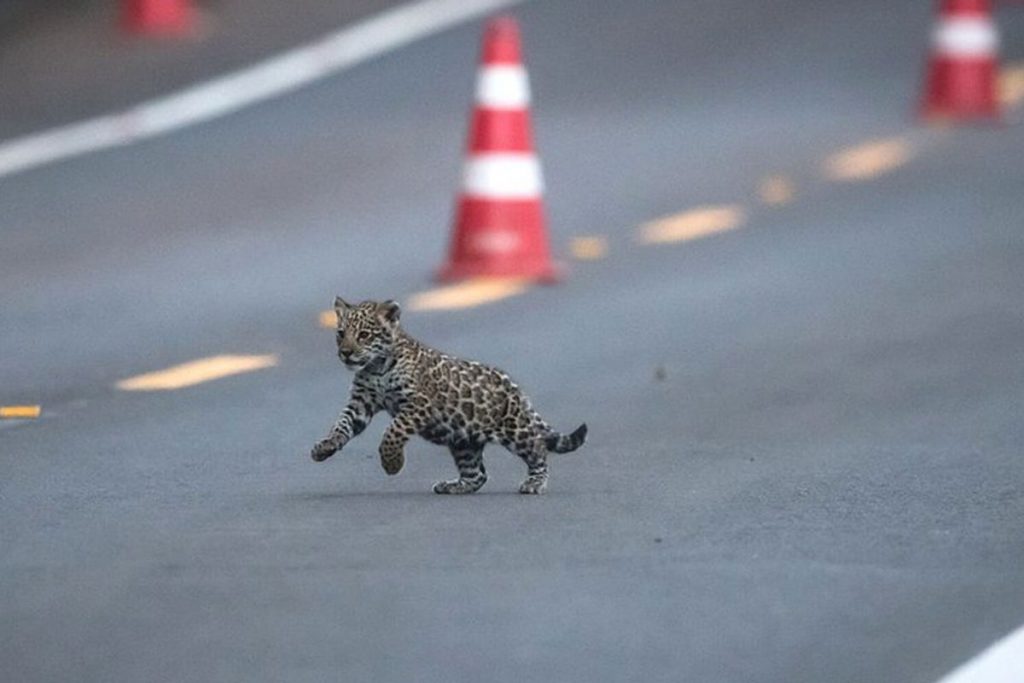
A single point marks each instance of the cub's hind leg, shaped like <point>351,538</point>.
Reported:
<point>535,454</point>
<point>472,475</point>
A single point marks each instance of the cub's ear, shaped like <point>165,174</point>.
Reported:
<point>389,311</point>
<point>340,304</point>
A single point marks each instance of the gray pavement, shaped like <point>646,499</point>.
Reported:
<point>825,486</point>
<point>63,61</point>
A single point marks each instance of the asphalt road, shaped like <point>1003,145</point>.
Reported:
<point>804,457</point>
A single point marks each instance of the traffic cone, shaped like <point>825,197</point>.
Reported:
<point>158,17</point>
<point>963,68</point>
<point>500,229</point>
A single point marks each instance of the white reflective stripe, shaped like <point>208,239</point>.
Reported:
<point>967,37</point>
<point>503,87</point>
<point>503,176</point>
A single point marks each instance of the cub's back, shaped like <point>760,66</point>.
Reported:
<point>480,393</point>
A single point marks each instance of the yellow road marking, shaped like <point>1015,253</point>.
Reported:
<point>328,319</point>
<point>589,248</point>
<point>869,160</point>
<point>467,294</point>
<point>776,190</point>
<point>196,372</point>
<point>693,224</point>
<point>1011,85</point>
<point>20,412</point>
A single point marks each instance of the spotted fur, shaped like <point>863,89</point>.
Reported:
<point>456,403</point>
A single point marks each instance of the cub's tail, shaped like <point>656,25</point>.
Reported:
<point>566,443</point>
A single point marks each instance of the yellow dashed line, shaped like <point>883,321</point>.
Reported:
<point>20,412</point>
<point>589,248</point>
<point>776,190</point>
<point>1011,85</point>
<point>693,224</point>
<point>467,294</point>
<point>196,372</point>
<point>869,160</point>
<point>328,319</point>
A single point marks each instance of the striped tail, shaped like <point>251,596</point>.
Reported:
<point>566,443</point>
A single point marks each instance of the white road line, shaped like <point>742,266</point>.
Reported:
<point>1002,662</point>
<point>276,76</point>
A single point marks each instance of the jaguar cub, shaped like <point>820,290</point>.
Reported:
<point>448,401</point>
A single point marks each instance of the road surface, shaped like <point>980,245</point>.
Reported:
<point>804,456</point>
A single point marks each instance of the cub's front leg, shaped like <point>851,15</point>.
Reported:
<point>392,445</point>
<point>352,420</point>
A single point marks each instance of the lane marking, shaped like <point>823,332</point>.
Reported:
<point>776,190</point>
<point>694,224</point>
<point>276,76</point>
<point>589,248</point>
<point>20,412</point>
<point>869,160</point>
<point>328,319</point>
<point>468,294</point>
<point>1002,662</point>
<point>197,372</point>
<point>1011,85</point>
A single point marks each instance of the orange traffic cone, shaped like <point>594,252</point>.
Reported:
<point>963,68</point>
<point>158,17</point>
<point>499,226</point>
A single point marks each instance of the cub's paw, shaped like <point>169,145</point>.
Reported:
<point>323,450</point>
<point>454,487</point>
<point>392,465</point>
<point>534,485</point>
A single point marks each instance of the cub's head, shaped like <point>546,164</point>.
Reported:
<point>366,331</point>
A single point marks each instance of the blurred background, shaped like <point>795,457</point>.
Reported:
<point>771,252</point>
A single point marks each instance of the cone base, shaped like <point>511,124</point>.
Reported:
<point>500,238</point>
<point>166,19</point>
<point>961,90</point>
<point>544,272</point>
<point>941,116</point>
<point>174,30</point>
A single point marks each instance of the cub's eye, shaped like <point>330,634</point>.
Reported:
<point>363,336</point>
